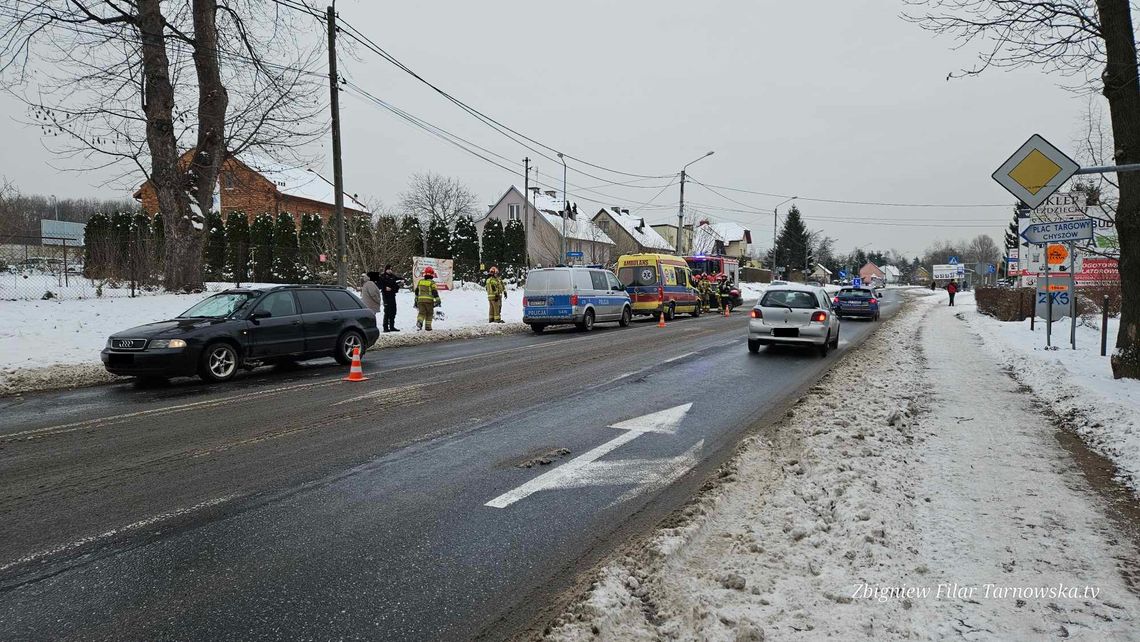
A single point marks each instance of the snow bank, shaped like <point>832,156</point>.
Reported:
<point>865,518</point>
<point>56,343</point>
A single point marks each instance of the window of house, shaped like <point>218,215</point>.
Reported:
<point>228,180</point>
<point>513,212</point>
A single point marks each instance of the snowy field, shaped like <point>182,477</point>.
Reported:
<point>56,343</point>
<point>925,510</point>
<point>1076,384</point>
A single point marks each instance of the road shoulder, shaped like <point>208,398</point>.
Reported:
<point>881,509</point>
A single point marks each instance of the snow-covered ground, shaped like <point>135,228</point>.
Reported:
<point>56,343</point>
<point>936,503</point>
<point>1077,385</point>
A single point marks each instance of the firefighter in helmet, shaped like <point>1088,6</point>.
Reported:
<point>496,291</point>
<point>427,299</point>
<point>705,291</point>
<point>724,289</point>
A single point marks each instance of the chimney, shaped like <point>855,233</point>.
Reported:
<point>551,193</point>
<point>535,190</point>
<point>641,225</point>
<point>625,211</point>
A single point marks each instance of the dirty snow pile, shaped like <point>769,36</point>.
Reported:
<point>56,343</point>
<point>1076,385</point>
<point>910,494</point>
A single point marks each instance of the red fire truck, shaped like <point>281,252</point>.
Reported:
<point>714,266</point>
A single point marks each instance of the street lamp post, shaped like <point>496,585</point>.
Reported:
<point>565,208</point>
<point>55,203</point>
<point>775,224</point>
<point>681,209</point>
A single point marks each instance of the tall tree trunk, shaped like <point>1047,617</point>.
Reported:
<point>1122,89</point>
<point>165,175</point>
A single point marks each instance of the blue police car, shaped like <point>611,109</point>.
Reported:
<point>582,296</point>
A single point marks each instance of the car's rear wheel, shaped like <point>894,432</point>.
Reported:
<point>670,311</point>
<point>626,317</point>
<point>346,345</point>
<point>219,362</point>
<point>835,341</point>
<point>753,346</point>
<point>697,309</point>
<point>587,323</point>
<point>538,328</point>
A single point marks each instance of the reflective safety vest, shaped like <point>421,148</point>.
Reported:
<point>495,287</point>
<point>426,291</point>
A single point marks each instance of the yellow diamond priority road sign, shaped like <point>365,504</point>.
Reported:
<point>1035,171</point>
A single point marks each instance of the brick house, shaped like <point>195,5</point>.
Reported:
<point>871,271</point>
<point>256,186</point>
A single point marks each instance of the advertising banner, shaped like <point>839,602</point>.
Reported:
<point>944,272</point>
<point>444,271</point>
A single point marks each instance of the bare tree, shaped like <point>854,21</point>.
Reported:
<point>135,83</point>
<point>431,196</point>
<point>1095,42</point>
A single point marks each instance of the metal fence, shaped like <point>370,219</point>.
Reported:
<point>31,269</point>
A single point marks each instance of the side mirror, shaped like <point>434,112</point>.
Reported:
<point>260,314</point>
<point>620,287</point>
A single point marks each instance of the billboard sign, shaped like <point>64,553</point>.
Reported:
<point>61,233</point>
<point>444,271</point>
<point>944,272</point>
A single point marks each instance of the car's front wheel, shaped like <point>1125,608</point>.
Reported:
<point>346,345</point>
<point>219,362</point>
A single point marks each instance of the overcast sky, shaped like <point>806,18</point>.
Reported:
<point>835,100</point>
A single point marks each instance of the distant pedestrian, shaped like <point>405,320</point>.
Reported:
<point>496,291</point>
<point>933,286</point>
<point>390,284</point>
<point>427,299</point>
<point>370,291</point>
<point>952,289</point>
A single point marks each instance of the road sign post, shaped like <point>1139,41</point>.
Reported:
<point>1073,296</point>
<point>1048,310</point>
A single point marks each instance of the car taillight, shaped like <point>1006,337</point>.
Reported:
<point>819,317</point>
<point>573,299</point>
<point>660,294</point>
<point>524,302</point>
<point>835,299</point>
<point>874,300</point>
<point>756,314</point>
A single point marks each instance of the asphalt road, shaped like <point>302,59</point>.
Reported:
<point>293,505</point>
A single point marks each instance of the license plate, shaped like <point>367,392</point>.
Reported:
<point>120,359</point>
<point>785,332</point>
<point>536,302</point>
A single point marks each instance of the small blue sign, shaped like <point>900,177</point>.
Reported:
<point>953,260</point>
<point>990,269</point>
<point>857,282</point>
<point>574,255</point>
<point>843,274</point>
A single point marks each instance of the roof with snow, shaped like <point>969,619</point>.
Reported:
<point>580,228</point>
<point>300,182</point>
<point>707,235</point>
<point>890,270</point>
<point>636,227</point>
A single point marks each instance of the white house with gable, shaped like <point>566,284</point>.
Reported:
<point>541,216</point>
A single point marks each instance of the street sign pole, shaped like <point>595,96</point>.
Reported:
<point>1048,309</point>
<point>1072,295</point>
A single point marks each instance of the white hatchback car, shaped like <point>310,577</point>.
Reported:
<point>794,315</point>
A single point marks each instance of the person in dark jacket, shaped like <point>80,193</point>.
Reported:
<point>389,285</point>
<point>952,289</point>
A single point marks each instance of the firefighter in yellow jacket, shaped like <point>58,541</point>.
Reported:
<point>427,299</point>
<point>495,293</point>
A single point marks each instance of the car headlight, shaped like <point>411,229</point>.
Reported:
<point>168,343</point>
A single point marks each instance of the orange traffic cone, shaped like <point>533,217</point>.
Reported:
<point>661,321</point>
<point>726,312</point>
<point>357,372</point>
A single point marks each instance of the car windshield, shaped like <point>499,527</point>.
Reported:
<point>795,299</point>
<point>855,294</point>
<point>638,275</point>
<point>704,266</point>
<point>218,306</point>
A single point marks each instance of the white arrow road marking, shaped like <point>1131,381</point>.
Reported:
<point>585,470</point>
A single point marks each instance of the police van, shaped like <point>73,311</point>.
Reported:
<point>582,296</point>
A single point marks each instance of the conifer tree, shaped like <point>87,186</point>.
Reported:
<point>261,247</point>
<point>515,248</point>
<point>237,247</point>
<point>97,240</point>
<point>214,249</point>
<point>284,249</point>
<point>494,243</point>
<point>309,247</point>
<point>438,240</point>
<point>465,249</point>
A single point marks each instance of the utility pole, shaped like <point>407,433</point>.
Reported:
<point>681,209</point>
<point>565,209</point>
<point>526,210</point>
<point>681,216</point>
<point>338,176</point>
